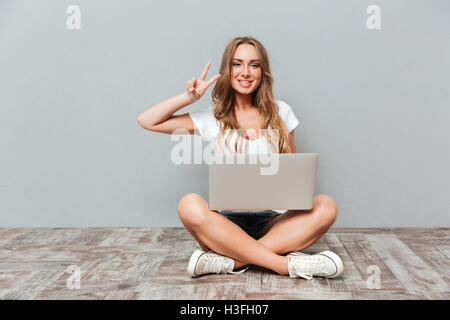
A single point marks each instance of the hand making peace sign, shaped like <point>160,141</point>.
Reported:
<point>195,88</point>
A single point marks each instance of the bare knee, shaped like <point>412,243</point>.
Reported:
<point>326,210</point>
<point>191,210</point>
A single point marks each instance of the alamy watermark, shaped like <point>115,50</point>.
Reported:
<point>73,21</point>
<point>374,280</point>
<point>216,151</point>
<point>73,282</point>
<point>373,21</point>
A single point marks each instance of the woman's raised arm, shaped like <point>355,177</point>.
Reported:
<point>161,118</point>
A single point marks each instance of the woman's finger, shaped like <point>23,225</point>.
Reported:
<point>212,80</point>
<point>189,86</point>
<point>192,84</point>
<point>205,71</point>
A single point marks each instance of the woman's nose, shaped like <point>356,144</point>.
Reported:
<point>246,71</point>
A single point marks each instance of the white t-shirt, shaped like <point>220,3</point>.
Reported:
<point>208,127</point>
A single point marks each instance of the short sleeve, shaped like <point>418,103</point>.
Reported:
<point>205,123</point>
<point>288,116</point>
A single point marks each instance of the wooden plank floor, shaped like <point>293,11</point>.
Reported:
<point>150,263</point>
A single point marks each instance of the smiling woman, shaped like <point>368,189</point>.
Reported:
<point>243,102</point>
<point>248,103</point>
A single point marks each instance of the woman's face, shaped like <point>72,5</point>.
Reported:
<point>246,70</point>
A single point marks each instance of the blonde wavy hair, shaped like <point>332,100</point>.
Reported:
<point>223,97</point>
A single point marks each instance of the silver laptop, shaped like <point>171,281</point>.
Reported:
<point>283,181</point>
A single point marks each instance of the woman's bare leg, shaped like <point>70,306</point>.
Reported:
<point>298,229</point>
<point>291,231</point>
<point>224,237</point>
<point>237,264</point>
<point>200,243</point>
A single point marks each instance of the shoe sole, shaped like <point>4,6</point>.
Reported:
<point>336,260</point>
<point>193,262</point>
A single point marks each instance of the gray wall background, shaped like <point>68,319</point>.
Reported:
<point>373,104</point>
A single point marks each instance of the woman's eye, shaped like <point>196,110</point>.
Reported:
<point>253,65</point>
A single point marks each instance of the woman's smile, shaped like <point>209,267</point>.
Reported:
<point>245,83</point>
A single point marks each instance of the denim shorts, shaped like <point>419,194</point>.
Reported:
<point>251,222</point>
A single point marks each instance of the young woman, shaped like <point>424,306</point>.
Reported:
<point>242,99</point>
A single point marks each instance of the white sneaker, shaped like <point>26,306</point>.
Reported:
<point>323,264</point>
<point>210,262</point>
<point>298,253</point>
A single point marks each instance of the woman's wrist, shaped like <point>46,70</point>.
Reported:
<point>190,98</point>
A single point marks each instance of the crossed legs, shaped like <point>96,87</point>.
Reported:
<point>291,231</point>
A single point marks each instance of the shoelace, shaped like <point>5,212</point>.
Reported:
<point>307,266</point>
<point>219,264</point>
